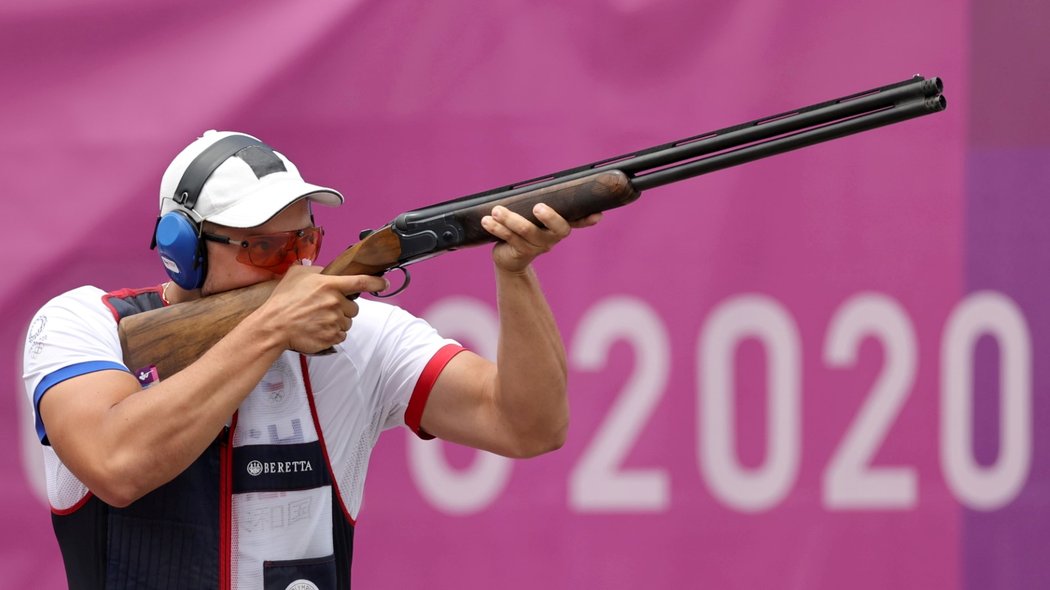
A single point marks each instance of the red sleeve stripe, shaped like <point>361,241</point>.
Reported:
<point>420,394</point>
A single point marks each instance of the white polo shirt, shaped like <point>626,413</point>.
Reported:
<point>382,371</point>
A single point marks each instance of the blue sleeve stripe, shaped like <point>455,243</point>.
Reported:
<point>61,375</point>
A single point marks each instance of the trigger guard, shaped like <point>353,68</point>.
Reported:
<point>404,285</point>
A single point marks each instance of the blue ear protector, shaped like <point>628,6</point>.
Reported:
<point>182,252</point>
<point>177,236</point>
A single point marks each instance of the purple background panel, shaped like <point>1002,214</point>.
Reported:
<point>1007,249</point>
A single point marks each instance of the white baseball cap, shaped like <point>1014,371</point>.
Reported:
<point>246,189</point>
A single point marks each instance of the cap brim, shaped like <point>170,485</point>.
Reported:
<point>270,199</point>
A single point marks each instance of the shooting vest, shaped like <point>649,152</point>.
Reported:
<point>258,509</point>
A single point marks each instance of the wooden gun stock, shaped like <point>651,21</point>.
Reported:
<point>170,338</point>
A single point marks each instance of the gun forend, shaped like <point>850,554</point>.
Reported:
<point>456,224</point>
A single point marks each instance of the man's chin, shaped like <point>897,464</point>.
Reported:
<point>210,290</point>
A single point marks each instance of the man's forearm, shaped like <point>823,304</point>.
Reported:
<point>531,362</point>
<point>123,442</point>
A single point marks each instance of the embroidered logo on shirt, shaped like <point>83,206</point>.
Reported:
<point>256,467</point>
<point>302,585</point>
<point>37,336</point>
<point>275,384</point>
<point>147,376</point>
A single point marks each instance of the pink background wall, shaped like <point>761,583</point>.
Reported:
<point>837,279</point>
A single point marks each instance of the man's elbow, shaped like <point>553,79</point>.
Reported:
<point>541,443</point>
<point>117,494</point>
<point>119,486</point>
<point>553,442</point>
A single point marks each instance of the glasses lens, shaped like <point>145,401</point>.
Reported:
<point>277,252</point>
<point>309,243</point>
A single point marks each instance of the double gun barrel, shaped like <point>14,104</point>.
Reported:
<point>614,182</point>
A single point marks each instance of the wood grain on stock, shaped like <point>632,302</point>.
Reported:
<point>173,337</point>
<point>373,255</point>
<point>573,200</point>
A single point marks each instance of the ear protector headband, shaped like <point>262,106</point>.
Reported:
<point>177,235</point>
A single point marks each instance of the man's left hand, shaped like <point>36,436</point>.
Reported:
<point>522,240</point>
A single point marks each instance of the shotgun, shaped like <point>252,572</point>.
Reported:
<point>172,338</point>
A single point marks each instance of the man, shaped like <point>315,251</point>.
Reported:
<point>245,469</point>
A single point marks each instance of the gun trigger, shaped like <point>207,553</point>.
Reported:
<point>365,233</point>
<point>404,285</point>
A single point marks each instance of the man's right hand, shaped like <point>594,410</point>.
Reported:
<point>311,311</point>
